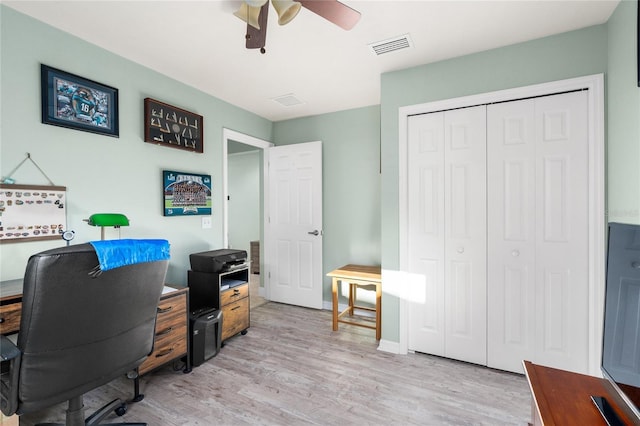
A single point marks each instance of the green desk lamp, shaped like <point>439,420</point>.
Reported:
<point>107,219</point>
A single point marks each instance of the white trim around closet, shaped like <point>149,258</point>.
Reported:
<point>594,84</point>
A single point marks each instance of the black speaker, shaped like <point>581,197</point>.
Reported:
<point>206,335</point>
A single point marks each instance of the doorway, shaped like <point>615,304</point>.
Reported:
<point>245,198</point>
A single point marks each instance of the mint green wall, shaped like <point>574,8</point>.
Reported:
<point>103,173</point>
<point>567,55</point>
<point>623,132</point>
<point>360,204</point>
<point>350,185</point>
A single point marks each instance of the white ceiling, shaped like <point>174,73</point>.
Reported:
<point>201,43</point>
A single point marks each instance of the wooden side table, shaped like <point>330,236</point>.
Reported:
<point>357,276</point>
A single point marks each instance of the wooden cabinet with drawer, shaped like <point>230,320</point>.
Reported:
<point>234,303</point>
<point>172,331</point>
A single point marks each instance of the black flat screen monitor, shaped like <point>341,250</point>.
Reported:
<point>621,334</point>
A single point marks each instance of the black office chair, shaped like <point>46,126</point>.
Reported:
<point>81,327</point>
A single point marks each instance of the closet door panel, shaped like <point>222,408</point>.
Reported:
<point>562,205</point>
<point>511,234</point>
<point>465,234</point>
<point>426,233</point>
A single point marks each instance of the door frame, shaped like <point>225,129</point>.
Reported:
<point>232,135</point>
<point>597,217</point>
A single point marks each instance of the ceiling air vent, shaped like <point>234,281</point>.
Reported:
<point>288,100</point>
<point>391,45</point>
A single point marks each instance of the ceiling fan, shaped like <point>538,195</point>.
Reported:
<point>255,12</point>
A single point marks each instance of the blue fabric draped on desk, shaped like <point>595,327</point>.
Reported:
<point>116,253</point>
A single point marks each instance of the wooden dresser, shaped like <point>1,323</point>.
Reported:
<point>172,330</point>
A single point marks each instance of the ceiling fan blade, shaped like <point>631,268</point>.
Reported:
<point>333,11</point>
<point>257,39</point>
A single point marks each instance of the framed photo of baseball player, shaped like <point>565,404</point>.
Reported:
<point>78,103</point>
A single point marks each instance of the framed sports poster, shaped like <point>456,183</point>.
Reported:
<point>75,102</point>
<point>186,194</point>
<point>32,212</point>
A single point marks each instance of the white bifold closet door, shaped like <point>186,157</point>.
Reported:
<point>538,216</point>
<point>447,233</point>
<point>498,233</point>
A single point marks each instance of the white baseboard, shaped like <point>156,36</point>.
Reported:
<point>389,346</point>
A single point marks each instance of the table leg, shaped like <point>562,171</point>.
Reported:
<point>378,311</point>
<point>334,291</point>
<point>352,297</point>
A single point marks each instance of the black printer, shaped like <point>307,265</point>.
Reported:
<point>217,261</point>
<point>212,272</point>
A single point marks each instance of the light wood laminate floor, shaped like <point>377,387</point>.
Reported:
<point>292,369</point>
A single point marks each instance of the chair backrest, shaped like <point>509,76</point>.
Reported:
<point>80,330</point>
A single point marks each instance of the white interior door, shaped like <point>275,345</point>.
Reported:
<point>295,224</point>
<point>425,153</point>
<point>447,233</point>
<point>466,234</point>
<point>538,233</point>
<point>562,234</point>
<point>511,156</point>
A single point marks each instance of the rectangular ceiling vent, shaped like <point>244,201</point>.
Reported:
<point>391,45</point>
<point>288,100</point>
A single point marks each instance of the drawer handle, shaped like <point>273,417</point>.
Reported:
<point>237,307</point>
<point>165,353</point>
<point>165,310</point>
<point>165,331</point>
<point>635,265</point>
<point>1,320</point>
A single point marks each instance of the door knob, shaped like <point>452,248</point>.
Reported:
<point>314,232</point>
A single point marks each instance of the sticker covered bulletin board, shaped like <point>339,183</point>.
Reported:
<point>31,212</point>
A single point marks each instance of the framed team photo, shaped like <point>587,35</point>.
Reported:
<point>186,194</point>
<point>78,103</point>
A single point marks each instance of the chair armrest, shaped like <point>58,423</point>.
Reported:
<point>8,350</point>
<point>11,358</point>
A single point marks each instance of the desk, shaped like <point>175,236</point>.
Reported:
<point>171,339</point>
<point>561,397</point>
<point>172,324</point>
<point>357,276</point>
<point>10,305</point>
